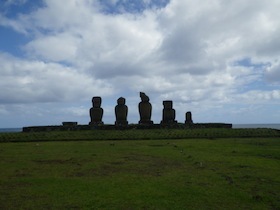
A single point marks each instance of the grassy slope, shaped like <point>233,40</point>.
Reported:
<point>152,174</point>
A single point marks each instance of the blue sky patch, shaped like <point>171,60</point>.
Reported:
<point>12,41</point>
<point>247,62</point>
<point>131,6</point>
<point>12,10</point>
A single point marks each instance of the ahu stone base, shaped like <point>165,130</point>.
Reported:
<point>75,127</point>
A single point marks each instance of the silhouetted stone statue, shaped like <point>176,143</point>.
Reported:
<point>145,109</point>
<point>168,113</point>
<point>121,112</point>
<point>96,112</point>
<point>189,118</point>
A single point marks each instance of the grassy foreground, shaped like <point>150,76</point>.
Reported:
<point>235,173</point>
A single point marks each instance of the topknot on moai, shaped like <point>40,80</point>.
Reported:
<point>145,110</point>
<point>189,118</point>
<point>121,112</point>
<point>168,113</point>
<point>96,112</point>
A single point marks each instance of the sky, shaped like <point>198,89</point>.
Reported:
<point>218,59</point>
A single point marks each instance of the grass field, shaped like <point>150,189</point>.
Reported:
<point>211,173</point>
<point>138,134</point>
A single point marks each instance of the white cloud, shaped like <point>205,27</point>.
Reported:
<point>260,97</point>
<point>61,47</point>
<point>26,81</point>
<point>273,72</point>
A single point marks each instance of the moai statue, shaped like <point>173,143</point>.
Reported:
<point>168,113</point>
<point>96,112</point>
<point>189,118</point>
<point>145,109</point>
<point>121,112</point>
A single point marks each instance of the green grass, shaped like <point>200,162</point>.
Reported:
<point>137,134</point>
<point>231,173</point>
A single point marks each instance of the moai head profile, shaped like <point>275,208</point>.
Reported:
<point>188,118</point>
<point>121,101</point>
<point>168,113</point>
<point>167,104</point>
<point>144,97</point>
<point>121,113</point>
<point>145,110</point>
<point>96,112</point>
<point>96,101</point>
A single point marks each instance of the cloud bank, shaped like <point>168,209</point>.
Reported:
<point>215,58</point>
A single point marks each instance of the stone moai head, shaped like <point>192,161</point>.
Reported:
<point>144,97</point>
<point>121,101</point>
<point>167,104</point>
<point>96,102</point>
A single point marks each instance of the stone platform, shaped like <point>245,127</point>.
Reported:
<point>76,127</point>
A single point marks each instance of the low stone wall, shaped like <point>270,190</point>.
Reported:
<point>72,127</point>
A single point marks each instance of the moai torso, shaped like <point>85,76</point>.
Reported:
<point>168,113</point>
<point>145,109</point>
<point>96,112</point>
<point>121,112</point>
<point>189,118</point>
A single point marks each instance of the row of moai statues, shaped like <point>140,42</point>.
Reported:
<point>145,112</point>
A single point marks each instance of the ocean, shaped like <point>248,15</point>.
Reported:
<point>10,130</point>
<point>274,126</point>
